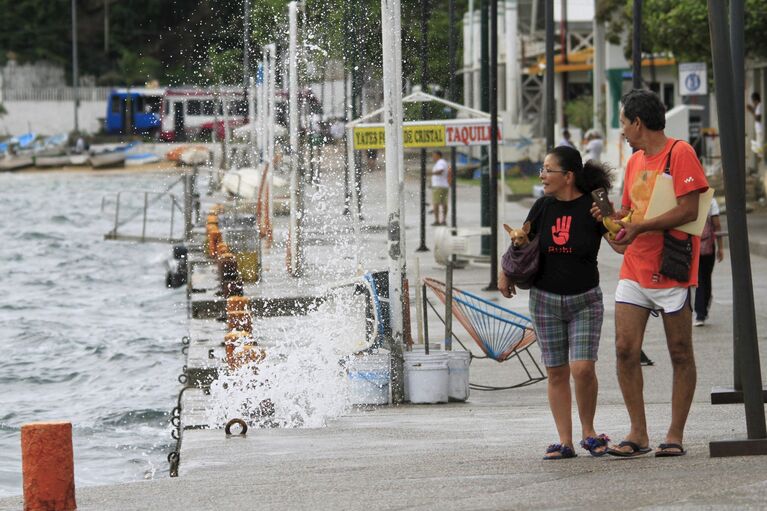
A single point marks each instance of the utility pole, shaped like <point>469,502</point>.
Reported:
<point>739,114</point>
<point>106,26</point>
<point>347,115</point>
<point>636,47</point>
<point>296,183</point>
<point>452,94</point>
<point>563,50</point>
<point>424,83</point>
<point>246,45</point>
<point>728,100</point>
<point>485,106</point>
<point>493,285</point>
<point>549,76</point>
<point>75,73</point>
<point>395,184</point>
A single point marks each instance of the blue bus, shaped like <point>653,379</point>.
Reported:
<point>132,111</point>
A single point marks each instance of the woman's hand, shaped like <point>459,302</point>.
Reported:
<point>720,254</point>
<point>505,286</point>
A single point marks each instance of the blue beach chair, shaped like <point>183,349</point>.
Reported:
<point>500,333</point>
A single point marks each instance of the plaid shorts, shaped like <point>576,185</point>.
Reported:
<point>568,326</point>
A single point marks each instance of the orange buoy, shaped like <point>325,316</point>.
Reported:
<point>212,219</point>
<point>48,466</point>
<point>239,320</point>
<point>237,303</point>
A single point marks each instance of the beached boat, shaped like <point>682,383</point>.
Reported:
<point>109,159</point>
<point>16,162</point>
<point>78,159</point>
<point>51,160</point>
<point>141,159</point>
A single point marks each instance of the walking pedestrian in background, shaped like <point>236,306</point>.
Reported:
<point>711,247</point>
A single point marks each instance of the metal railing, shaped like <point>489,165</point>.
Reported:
<point>149,199</point>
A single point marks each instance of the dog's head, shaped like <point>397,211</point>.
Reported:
<point>519,237</point>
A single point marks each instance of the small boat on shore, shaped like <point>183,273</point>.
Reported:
<point>132,159</point>
<point>16,162</point>
<point>78,159</point>
<point>51,160</point>
<point>16,152</point>
<point>110,159</point>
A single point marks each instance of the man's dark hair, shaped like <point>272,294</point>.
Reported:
<point>756,97</point>
<point>438,153</point>
<point>647,106</point>
<point>566,133</point>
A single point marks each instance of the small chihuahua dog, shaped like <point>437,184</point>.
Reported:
<point>519,237</point>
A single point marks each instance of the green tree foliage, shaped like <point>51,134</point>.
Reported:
<point>679,27</point>
<point>200,41</point>
<point>580,112</point>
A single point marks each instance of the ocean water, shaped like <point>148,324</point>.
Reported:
<point>88,331</point>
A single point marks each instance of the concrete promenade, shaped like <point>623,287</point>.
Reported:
<point>486,453</point>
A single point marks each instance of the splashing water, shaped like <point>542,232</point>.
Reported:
<point>302,381</point>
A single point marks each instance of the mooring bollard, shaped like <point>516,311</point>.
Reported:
<point>48,466</point>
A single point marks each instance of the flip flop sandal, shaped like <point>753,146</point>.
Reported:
<point>591,444</point>
<point>564,452</point>
<point>635,450</point>
<point>663,451</point>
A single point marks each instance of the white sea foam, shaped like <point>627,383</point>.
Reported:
<point>302,381</point>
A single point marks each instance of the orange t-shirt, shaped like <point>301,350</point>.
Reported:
<point>641,262</point>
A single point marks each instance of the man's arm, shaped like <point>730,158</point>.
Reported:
<point>686,211</point>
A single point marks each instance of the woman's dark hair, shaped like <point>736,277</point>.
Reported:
<point>647,106</point>
<point>588,176</point>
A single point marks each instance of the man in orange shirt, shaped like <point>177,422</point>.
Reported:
<point>642,290</point>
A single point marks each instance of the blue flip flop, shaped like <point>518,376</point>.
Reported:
<point>635,450</point>
<point>591,444</point>
<point>564,451</point>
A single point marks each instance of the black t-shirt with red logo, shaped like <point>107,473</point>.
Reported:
<point>569,244</point>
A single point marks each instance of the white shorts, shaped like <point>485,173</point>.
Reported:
<point>667,300</point>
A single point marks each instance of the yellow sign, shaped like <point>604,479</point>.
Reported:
<point>369,138</point>
<point>423,135</point>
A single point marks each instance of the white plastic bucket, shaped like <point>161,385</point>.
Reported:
<point>369,379</point>
<point>426,378</point>
<point>458,367</point>
<point>417,356</point>
<point>427,383</point>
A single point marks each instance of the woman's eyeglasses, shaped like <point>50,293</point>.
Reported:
<point>544,170</point>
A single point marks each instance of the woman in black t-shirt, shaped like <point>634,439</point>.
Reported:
<point>565,299</point>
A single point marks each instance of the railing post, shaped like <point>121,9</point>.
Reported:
<point>449,306</point>
<point>146,206</point>
<point>117,214</point>
<point>172,214</point>
<point>187,205</point>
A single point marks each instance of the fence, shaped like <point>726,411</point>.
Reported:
<point>54,94</point>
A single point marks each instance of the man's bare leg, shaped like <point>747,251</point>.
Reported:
<point>678,327</point>
<point>630,324</point>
